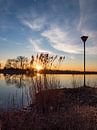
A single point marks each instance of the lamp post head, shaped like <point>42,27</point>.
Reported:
<point>84,38</point>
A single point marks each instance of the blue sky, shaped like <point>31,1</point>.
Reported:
<point>55,26</point>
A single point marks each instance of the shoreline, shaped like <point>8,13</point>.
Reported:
<point>27,71</point>
<point>67,109</point>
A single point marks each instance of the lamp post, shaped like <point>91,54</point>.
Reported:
<point>84,38</point>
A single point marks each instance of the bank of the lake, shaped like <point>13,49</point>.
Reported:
<point>29,71</point>
<point>59,109</point>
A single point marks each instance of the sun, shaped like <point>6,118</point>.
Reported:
<point>38,67</point>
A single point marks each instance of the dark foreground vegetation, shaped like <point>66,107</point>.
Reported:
<point>57,109</point>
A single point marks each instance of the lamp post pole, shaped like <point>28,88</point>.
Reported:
<point>84,65</point>
<point>84,38</point>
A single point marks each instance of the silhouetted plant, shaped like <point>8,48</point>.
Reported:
<point>61,59</point>
<point>0,65</point>
<point>32,62</point>
<point>45,60</point>
<point>23,61</point>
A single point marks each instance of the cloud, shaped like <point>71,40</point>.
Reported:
<point>88,14</point>
<point>45,13</point>
<point>61,40</point>
<point>92,50</point>
<point>36,24</point>
<point>62,34</point>
<point>68,43</point>
<point>87,25</point>
<point>37,46</point>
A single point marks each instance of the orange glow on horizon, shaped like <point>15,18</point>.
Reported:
<point>66,66</point>
<point>38,67</point>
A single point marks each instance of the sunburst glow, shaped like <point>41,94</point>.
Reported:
<point>38,67</point>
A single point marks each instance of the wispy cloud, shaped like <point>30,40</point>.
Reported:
<point>37,46</point>
<point>88,15</point>
<point>36,24</point>
<point>92,50</point>
<point>65,40</point>
<point>61,41</point>
<point>87,25</point>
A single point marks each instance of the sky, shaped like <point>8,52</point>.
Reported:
<point>28,27</point>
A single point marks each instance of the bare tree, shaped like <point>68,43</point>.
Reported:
<point>23,61</point>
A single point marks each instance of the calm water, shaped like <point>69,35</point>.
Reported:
<point>19,90</point>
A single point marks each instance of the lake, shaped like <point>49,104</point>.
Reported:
<point>18,91</point>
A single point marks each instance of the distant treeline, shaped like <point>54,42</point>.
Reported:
<point>16,71</point>
<point>66,72</point>
<point>45,60</point>
<point>28,71</point>
<point>50,64</point>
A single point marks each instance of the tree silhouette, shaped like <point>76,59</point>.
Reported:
<point>32,61</point>
<point>45,60</point>
<point>23,61</point>
<point>11,63</point>
<point>8,63</point>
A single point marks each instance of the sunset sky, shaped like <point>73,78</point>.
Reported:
<point>29,27</point>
